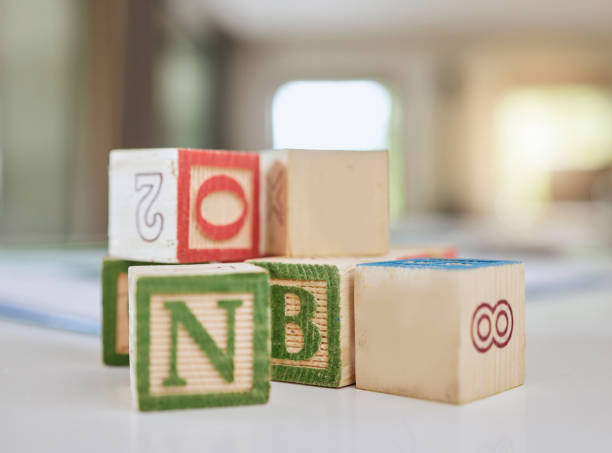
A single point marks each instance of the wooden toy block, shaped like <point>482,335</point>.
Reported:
<point>311,303</point>
<point>325,203</point>
<point>184,205</point>
<point>199,335</point>
<point>439,329</point>
<point>115,318</point>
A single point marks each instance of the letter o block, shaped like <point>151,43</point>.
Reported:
<point>199,336</point>
<point>450,330</point>
<point>184,205</point>
<point>311,302</point>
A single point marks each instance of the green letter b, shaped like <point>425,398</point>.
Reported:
<point>308,307</point>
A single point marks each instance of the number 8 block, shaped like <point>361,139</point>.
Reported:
<point>450,330</point>
<point>184,205</point>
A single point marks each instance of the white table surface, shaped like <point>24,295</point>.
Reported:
<point>55,395</point>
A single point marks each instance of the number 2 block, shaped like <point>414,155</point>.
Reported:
<point>199,336</point>
<point>183,205</point>
<point>450,330</point>
<point>311,320</point>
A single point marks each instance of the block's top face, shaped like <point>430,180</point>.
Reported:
<point>194,269</point>
<point>341,263</point>
<point>441,263</point>
<point>142,154</point>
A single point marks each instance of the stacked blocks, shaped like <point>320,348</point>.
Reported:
<point>193,206</point>
<point>445,330</point>
<point>199,335</point>
<point>311,303</point>
<point>321,300</point>
<point>184,205</point>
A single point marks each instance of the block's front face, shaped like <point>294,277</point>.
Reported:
<point>115,318</point>
<point>201,340</point>
<point>407,332</point>
<point>218,215</point>
<point>305,307</point>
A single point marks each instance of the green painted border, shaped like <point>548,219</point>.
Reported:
<point>305,375</point>
<point>256,283</point>
<point>111,268</point>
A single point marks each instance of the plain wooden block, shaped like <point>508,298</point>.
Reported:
<point>311,302</point>
<point>325,203</point>
<point>199,335</point>
<point>450,330</point>
<point>115,317</point>
<point>184,205</point>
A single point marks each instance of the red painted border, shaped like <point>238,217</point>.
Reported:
<point>213,158</point>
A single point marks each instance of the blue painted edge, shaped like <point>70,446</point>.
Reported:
<point>441,263</point>
<point>53,320</point>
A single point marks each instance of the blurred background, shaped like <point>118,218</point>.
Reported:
<point>497,115</point>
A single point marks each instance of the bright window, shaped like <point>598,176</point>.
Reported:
<point>545,129</point>
<point>346,114</point>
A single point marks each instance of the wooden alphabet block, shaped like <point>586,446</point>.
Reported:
<point>446,330</point>
<point>115,317</point>
<point>325,203</point>
<point>311,303</point>
<point>199,335</point>
<point>184,205</point>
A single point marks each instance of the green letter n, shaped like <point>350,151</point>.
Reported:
<point>222,361</point>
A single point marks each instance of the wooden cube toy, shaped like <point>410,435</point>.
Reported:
<point>450,330</point>
<point>115,317</point>
<point>311,302</point>
<point>199,335</point>
<point>325,203</point>
<point>184,205</point>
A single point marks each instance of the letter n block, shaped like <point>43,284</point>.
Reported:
<point>311,303</point>
<point>115,316</point>
<point>450,330</point>
<point>183,205</point>
<point>199,335</point>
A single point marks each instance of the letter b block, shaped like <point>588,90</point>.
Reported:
<point>199,335</point>
<point>312,320</point>
<point>450,330</point>
<point>183,205</point>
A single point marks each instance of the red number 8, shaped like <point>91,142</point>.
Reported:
<point>490,317</point>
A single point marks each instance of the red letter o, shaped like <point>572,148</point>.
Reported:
<point>216,184</point>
